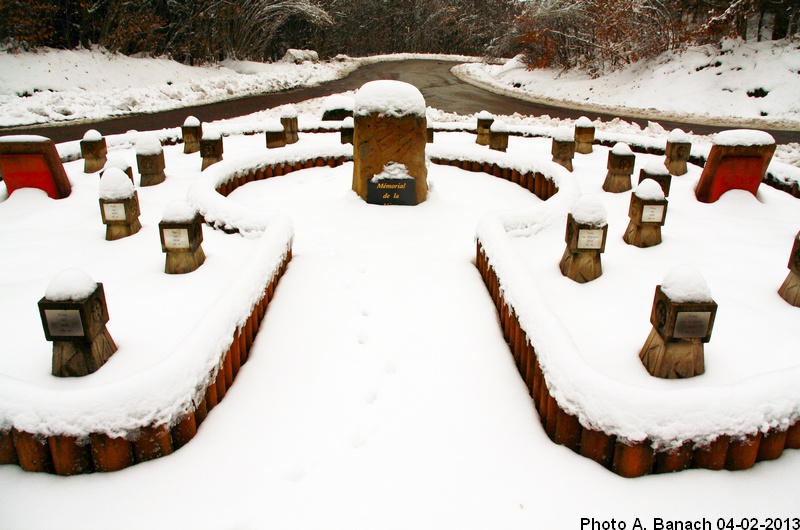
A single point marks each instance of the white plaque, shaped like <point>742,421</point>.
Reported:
<point>653,213</point>
<point>114,211</point>
<point>64,322</point>
<point>590,239</point>
<point>692,324</point>
<point>176,238</point>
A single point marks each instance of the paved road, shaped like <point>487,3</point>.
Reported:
<point>441,89</point>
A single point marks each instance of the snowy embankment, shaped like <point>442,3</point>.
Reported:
<point>740,84</point>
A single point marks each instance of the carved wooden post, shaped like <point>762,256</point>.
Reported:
<point>74,315</point>
<point>181,237</point>
<point>584,135</point>
<point>682,318</point>
<point>738,161</point>
<point>389,134</point>
<point>586,233</point>
<point>93,151</point>
<point>790,290</point>
<point>289,122</point>
<point>677,153</point>
<point>485,120</point>
<point>150,160</point>
<point>275,134</point>
<point>657,172</point>
<point>346,132</point>
<point>647,211</point>
<point>119,204</point>
<point>563,148</point>
<point>210,148</point>
<point>192,132</point>
<point>620,168</point>
<point>119,163</point>
<point>498,136</point>
<point>337,107</point>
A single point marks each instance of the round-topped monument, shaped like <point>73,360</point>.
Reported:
<point>390,132</point>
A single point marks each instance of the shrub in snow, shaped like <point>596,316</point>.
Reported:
<point>300,56</point>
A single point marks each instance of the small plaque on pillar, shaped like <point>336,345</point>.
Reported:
<point>392,187</point>
<point>181,236</point>
<point>74,317</point>
<point>682,317</point>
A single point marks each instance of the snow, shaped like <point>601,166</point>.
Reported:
<point>589,211</point>
<point>191,121</point>
<point>743,137</point>
<point>211,134</point>
<point>622,149</point>
<point>338,101</point>
<point>116,161</point>
<point>115,184</point>
<point>677,136</point>
<point>389,98</point>
<point>655,168</point>
<point>564,134</point>
<point>178,211</point>
<point>499,126</point>
<point>70,285</point>
<point>649,190</point>
<point>484,115</point>
<point>584,122</point>
<point>380,391</point>
<point>148,144</point>
<point>92,136</point>
<point>392,171</point>
<point>288,111</point>
<point>686,284</point>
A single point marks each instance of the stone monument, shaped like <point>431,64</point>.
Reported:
<point>682,317</point>
<point>389,131</point>
<point>74,316</point>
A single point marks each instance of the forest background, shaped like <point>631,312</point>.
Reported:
<point>594,35</point>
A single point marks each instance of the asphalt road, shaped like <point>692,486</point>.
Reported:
<point>440,88</point>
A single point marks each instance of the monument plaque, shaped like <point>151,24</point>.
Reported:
<point>392,192</point>
<point>590,239</point>
<point>64,322</point>
<point>176,238</point>
<point>652,213</point>
<point>692,324</point>
<point>114,211</point>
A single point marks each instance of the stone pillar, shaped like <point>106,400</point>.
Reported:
<point>647,211</point>
<point>485,120</point>
<point>584,135</point>
<point>738,161</point>
<point>790,290</point>
<point>563,148</point>
<point>150,160</point>
<point>74,315</point>
<point>289,122</point>
<point>682,318</point>
<point>587,229</point>
<point>275,134</point>
<point>337,107</point>
<point>210,149</point>
<point>181,233</point>
<point>192,132</point>
<point>620,168</point>
<point>657,172</point>
<point>347,130</point>
<point>93,151</point>
<point>498,136</point>
<point>119,205</point>
<point>119,163</point>
<point>390,128</point>
<point>677,153</point>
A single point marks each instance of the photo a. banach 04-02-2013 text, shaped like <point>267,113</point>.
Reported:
<point>721,523</point>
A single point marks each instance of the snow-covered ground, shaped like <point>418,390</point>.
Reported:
<point>380,392</point>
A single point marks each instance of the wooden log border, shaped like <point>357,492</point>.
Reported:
<point>627,459</point>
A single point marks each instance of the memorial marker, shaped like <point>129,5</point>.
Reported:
<point>498,136</point>
<point>563,148</point>
<point>74,316</point>
<point>485,120</point>
<point>394,186</point>
<point>289,122</point>
<point>119,163</point>
<point>587,229</point>
<point>275,134</point>
<point>682,317</point>
<point>181,237</point>
<point>28,161</point>
<point>620,168</point>
<point>150,160</point>
<point>119,205</point>
<point>738,161</point>
<point>584,135</point>
<point>191,132</point>
<point>657,172</point>
<point>93,151</point>
<point>677,152</point>
<point>647,212</point>
<point>210,148</point>
<point>390,127</point>
<point>790,290</point>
